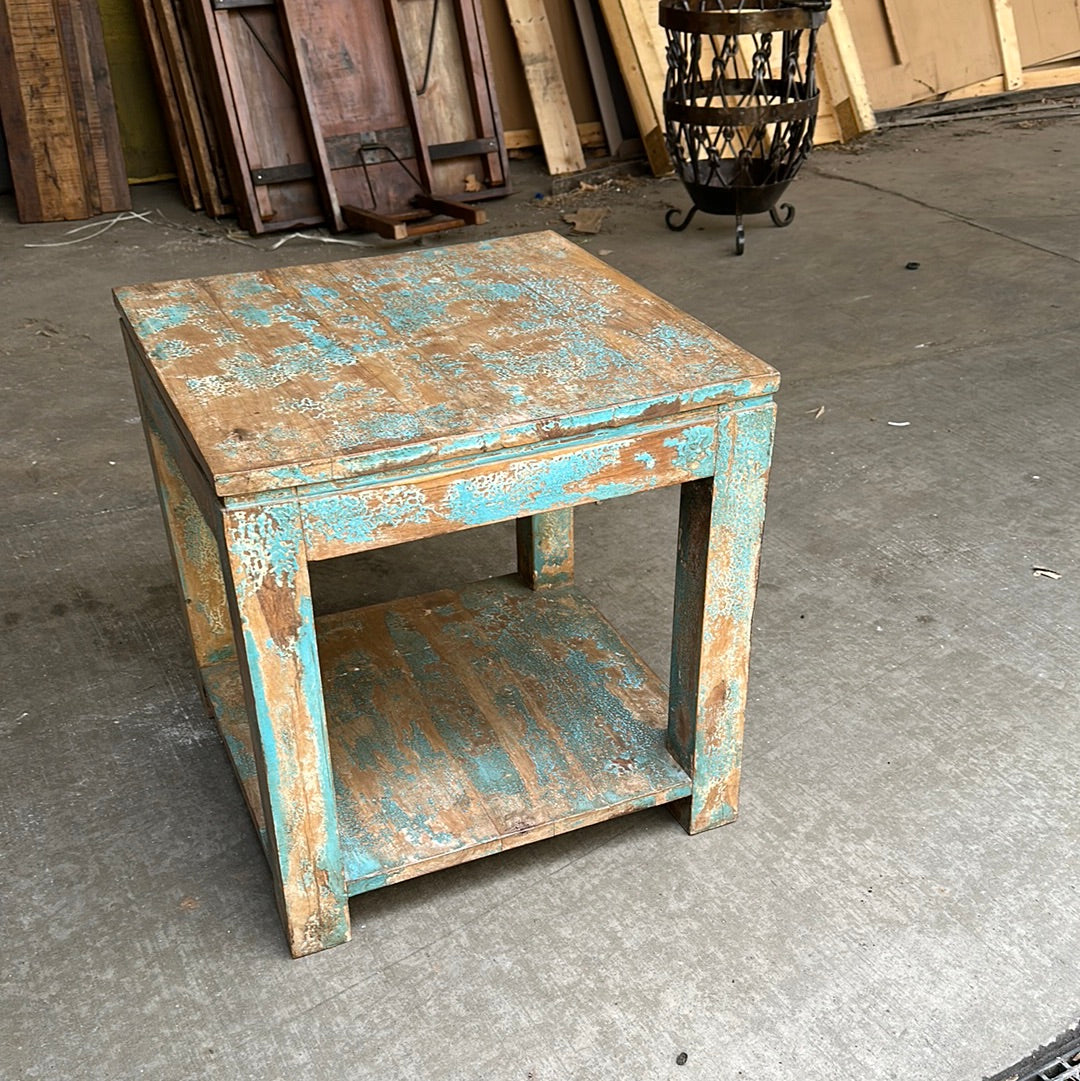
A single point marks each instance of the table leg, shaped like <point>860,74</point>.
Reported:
<point>545,548</point>
<point>196,559</point>
<point>720,521</point>
<point>275,634</point>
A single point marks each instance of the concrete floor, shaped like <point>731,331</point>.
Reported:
<point>898,898</point>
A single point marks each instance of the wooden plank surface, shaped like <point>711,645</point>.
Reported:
<point>251,89</point>
<point>543,74</point>
<point>355,94</point>
<point>842,75</point>
<point>907,56</point>
<point>58,112</point>
<point>311,373</point>
<point>93,109</point>
<point>42,139</point>
<point>167,95</point>
<point>1009,44</point>
<point>462,724</point>
<point>455,102</point>
<point>187,102</point>
<point>640,52</point>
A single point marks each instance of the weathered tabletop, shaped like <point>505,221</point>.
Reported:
<point>284,377</point>
<point>306,413</point>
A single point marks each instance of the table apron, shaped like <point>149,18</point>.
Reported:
<point>534,483</point>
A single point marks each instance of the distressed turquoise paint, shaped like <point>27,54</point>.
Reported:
<point>164,318</point>
<point>716,578</point>
<point>486,764</point>
<point>252,316</point>
<point>646,459</point>
<point>171,349</point>
<point>240,286</point>
<point>321,294</point>
<point>265,545</point>
<point>526,486</point>
<point>361,518</point>
<point>693,447</point>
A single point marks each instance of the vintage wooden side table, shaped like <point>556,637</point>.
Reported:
<point>302,414</point>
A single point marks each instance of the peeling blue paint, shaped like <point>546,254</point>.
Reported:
<point>693,447</point>
<point>165,317</point>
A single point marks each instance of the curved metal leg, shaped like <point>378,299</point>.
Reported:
<point>740,235</point>
<point>671,214</point>
<point>780,220</point>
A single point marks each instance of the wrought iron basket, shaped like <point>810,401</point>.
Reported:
<point>740,102</point>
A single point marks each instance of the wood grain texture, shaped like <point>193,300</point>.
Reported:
<point>843,76</point>
<point>720,523</point>
<point>58,113</point>
<point>452,95</point>
<point>273,625</point>
<point>167,96</point>
<point>543,74</point>
<point>502,486</point>
<point>250,86</point>
<point>640,52</point>
<point>465,723</point>
<point>311,374</point>
<point>545,549</point>
<point>93,108</point>
<point>42,142</point>
<point>355,95</point>
<point>196,558</point>
<point>187,100</point>
<point>1009,44</point>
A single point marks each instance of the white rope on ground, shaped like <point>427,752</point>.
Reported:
<point>321,239</point>
<point>231,234</point>
<point>127,215</point>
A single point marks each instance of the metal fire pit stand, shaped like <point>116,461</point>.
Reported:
<point>740,102</point>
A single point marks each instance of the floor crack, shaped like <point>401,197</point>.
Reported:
<point>941,210</point>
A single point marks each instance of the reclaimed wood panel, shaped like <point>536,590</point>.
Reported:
<point>91,96</point>
<point>543,75</point>
<point>955,48</point>
<point>273,626</point>
<point>195,133</point>
<point>639,48</point>
<point>309,374</point>
<point>453,93</point>
<point>464,723</point>
<point>58,113</point>
<point>251,87</point>
<point>497,490</point>
<point>355,102</point>
<point>720,522</point>
<point>167,95</point>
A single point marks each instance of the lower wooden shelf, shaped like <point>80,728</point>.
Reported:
<point>462,723</point>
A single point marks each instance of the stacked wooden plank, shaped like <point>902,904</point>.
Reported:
<point>631,31</point>
<point>191,132</point>
<point>57,110</point>
<point>370,114</point>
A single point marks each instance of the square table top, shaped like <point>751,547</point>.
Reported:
<point>286,377</point>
